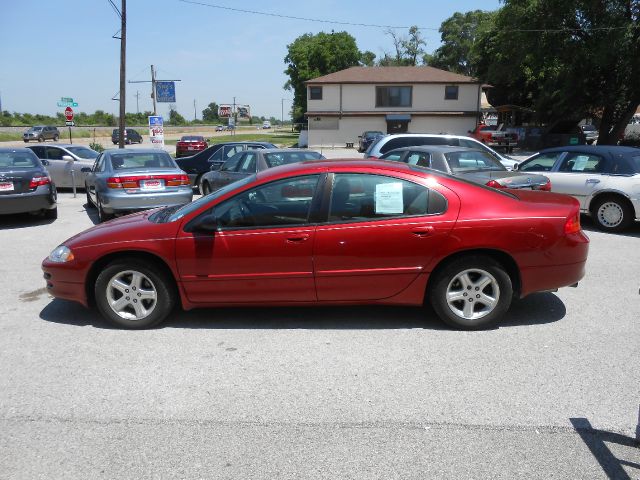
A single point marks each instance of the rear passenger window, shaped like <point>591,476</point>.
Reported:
<point>579,162</point>
<point>361,197</point>
<point>542,163</point>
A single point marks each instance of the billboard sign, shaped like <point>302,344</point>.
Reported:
<point>244,112</point>
<point>225,111</point>
<point>166,92</point>
<point>156,131</point>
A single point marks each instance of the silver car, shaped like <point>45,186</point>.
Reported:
<point>41,133</point>
<point>123,181</point>
<point>387,143</point>
<point>605,180</point>
<point>65,162</point>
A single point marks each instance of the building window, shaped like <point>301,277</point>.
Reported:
<point>393,96</point>
<point>315,93</point>
<point>451,92</point>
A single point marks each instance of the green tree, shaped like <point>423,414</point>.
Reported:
<point>310,56</point>
<point>210,114</point>
<point>566,60</point>
<point>407,49</point>
<point>459,35</point>
<point>174,117</point>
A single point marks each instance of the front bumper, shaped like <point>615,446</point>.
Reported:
<point>42,198</point>
<point>120,201</point>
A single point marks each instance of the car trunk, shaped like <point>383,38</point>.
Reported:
<point>137,181</point>
<point>17,181</point>
<point>507,179</point>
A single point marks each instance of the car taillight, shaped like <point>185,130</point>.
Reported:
<point>573,223</point>
<point>494,184</point>
<point>546,187</point>
<point>133,181</point>
<point>38,181</point>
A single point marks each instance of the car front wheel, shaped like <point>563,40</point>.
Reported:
<point>471,293</point>
<point>132,294</point>
<point>612,214</point>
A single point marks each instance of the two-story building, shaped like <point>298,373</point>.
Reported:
<point>342,105</point>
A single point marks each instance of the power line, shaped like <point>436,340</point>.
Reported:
<point>336,22</point>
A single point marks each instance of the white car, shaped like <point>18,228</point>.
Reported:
<point>387,143</point>
<point>62,159</point>
<point>604,179</point>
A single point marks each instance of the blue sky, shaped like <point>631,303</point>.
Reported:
<point>52,49</point>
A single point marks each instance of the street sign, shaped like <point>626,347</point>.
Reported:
<point>70,123</point>
<point>166,92</point>
<point>67,102</point>
<point>68,113</point>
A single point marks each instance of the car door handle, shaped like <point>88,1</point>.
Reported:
<point>593,181</point>
<point>298,238</point>
<point>423,231</point>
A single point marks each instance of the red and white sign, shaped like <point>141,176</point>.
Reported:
<point>68,114</point>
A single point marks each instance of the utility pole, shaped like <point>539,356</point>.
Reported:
<point>137,95</point>
<point>281,112</point>
<point>235,117</point>
<point>123,82</point>
<point>195,115</point>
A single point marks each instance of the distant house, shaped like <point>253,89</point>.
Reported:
<point>342,105</point>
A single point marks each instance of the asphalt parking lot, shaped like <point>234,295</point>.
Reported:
<point>362,392</point>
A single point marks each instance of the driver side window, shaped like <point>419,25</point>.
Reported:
<point>542,163</point>
<point>281,203</point>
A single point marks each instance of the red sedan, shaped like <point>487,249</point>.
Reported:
<point>190,145</point>
<point>329,233</point>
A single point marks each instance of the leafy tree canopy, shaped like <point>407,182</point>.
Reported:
<point>210,114</point>
<point>310,56</point>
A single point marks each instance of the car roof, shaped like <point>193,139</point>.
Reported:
<point>111,151</point>
<point>436,149</point>
<point>439,135</point>
<point>612,149</point>
<point>15,149</point>
<point>287,150</point>
<point>62,145</point>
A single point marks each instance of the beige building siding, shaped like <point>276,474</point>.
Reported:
<point>347,129</point>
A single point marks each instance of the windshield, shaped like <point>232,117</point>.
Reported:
<point>83,152</point>
<point>192,138</point>
<point>472,161</point>
<point>13,160</point>
<point>136,161</point>
<point>284,158</point>
<point>491,128</point>
<point>196,204</point>
<point>35,129</point>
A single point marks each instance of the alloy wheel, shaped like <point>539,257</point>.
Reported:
<point>473,294</point>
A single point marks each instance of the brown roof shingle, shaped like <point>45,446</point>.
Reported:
<point>392,75</point>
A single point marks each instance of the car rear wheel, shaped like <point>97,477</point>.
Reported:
<point>471,293</point>
<point>102,215</point>
<point>55,138</point>
<point>612,214</point>
<point>41,139</point>
<point>205,188</point>
<point>131,294</point>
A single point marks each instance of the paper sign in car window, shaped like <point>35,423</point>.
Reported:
<point>580,163</point>
<point>389,198</point>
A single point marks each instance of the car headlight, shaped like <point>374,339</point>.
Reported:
<point>61,254</point>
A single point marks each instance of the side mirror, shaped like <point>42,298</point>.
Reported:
<point>67,158</point>
<point>85,169</point>
<point>44,162</point>
<point>206,223</point>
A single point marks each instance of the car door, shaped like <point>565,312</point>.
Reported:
<point>57,166</point>
<point>382,233</point>
<point>219,178</point>
<point>90,179</point>
<point>261,251</point>
<point>580,174</point>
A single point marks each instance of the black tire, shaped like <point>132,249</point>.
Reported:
<point>153,279</point>
<point>26,141</point>
<point>206,188</point>
<point>612,213</point>
<point>89,202</point>
<point>40,139</point>
<point>102,215</point>
<point>55,138</point>
<point>476,267</point>
<point>51,214</point>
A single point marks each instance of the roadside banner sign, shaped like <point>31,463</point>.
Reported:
<point>224,111</point>
<point>244,111</point>
<point>166,92</point>
<point>156,131</point>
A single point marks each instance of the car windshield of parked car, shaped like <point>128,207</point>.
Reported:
<point>369,135</point>
<point>284,158</point>
<point>471,161</point>
<point>137,161</point>
<point>83,152</point>
<point>192,138</point>
<point>34,129</point>
<point>196,204</point>
<point>17,160</point>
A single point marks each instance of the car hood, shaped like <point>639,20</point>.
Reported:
<point>128,229</point>
<point>508,179</point>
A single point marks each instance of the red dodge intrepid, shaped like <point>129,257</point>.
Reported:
<point>329,233</point>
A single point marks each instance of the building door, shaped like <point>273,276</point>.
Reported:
<point>397,126</point>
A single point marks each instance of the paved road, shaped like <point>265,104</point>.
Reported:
<point>318,393</point>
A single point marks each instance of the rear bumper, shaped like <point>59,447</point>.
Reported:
<point>41,198</point>
<point>118,202</point>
